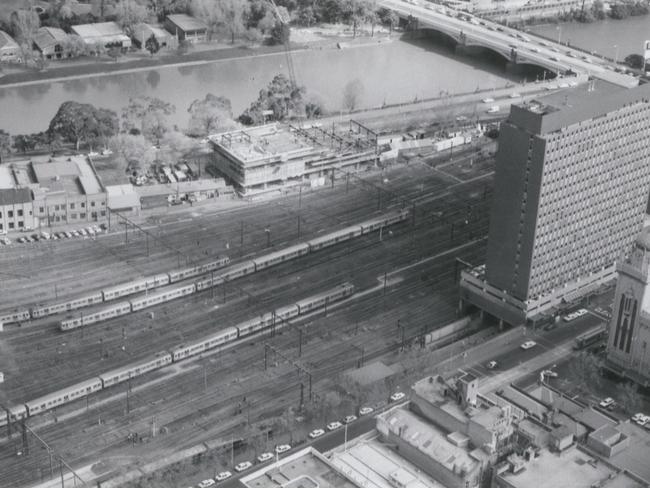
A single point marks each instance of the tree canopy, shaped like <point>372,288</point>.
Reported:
<point>148,116</point>
<point>209,115</point>
<point>83,123</point>
<point>280,97</point>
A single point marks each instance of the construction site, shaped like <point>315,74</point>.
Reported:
<point>274,156</point>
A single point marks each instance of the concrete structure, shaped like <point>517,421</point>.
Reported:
<point>107,34</point>
<point>186,28</point>
<point>268,157</point>
<point>194,191</point>
<point>447,458</point>
<point>65,189</point>
<point>123,199</point>
<point>515,47</point>
<point>608,441</point>
<point>16,210</point>
<point>570,468</point>
<point>51,42</point>
<point>628,344</point>
<point>142,32</point>
<point>570,195</point>
<point>453,405</point>
<point>9,49</point>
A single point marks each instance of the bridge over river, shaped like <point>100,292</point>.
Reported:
<point>517,47</point>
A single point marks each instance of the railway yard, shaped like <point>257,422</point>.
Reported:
<point>402,274</point>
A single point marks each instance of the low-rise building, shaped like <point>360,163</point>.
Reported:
<point>141,32</point>
<point>51,42</point>
<point>123,199</point>
<point>106,34</point>
<point>9,49</point>
<point>16,210</point>
<point>191,191</point>
<point>186,28</point>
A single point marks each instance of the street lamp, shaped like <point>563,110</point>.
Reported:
<point>616,53</point>
<point>559,34</point>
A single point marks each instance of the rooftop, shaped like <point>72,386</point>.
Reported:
<point>7,41</point>
<point>554,111</point>
<point>635,457</point>
<point>570,468</point>
<point>100,32</point>
<point>6,178</point>
<point>187,23</point>
<point>426,438</point>
<point>143,32</point>
<point>49,36</point>
<point>372,464</point>
<point>15,196</point>
<point>304,469</point>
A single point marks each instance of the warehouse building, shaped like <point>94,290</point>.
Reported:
<point>51,42</point>
<point>106,34</point>
<point>16,210</point>
<point>142,32</point>
<point>187,28</point>
<point>571,189</point>
<point>270,157</point>
<point>9,49</point>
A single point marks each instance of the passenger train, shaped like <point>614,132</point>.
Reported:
<point>178,353</point>
<point>151,282</point>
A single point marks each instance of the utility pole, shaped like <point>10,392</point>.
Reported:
<point>241,239</point>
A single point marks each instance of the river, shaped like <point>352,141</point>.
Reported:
<point>391,72</point>
<point>606,38</point>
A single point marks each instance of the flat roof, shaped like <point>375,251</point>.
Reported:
<point>15,196</point>
<point>550,113</point>
<point>570,468</point>
<point>635,457</point>
<point>101,32</point>
<point>187,23</point>
<point>372,464</point>
<point>143,32</point>
<point>6,177</point>
<point>426,438</point>
<point>304,469</point>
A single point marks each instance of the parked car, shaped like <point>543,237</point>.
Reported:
<point>550,373</point>
<point>528,344</point>
<point>282,448</point>
<point>366,410</point>
<point>224,475</point>
<point>397,396</point>
<point>265,456</point>
<point>316,433</point>
<point>349,419</point>
<point>206,483</point>
<point>492,365</point>
<point>243,466</point>
<point>334,425</point>
<point>607,402</point>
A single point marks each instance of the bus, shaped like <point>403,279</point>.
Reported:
<point>589,338</point>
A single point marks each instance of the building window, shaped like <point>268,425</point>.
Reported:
<point>20,212</point>
<point>82,215</point>
<point>72,206</point>
<point>58,219</point>
<point>92,204</point>
<point>21,224</point>
<point>57,207</point>
<point>73,215</point>
<point>1,226</point>
<point>103,213</point>
<point>11,225</point>
<point>10,213</point>
<point>41,209</point>
<point>83,204</point>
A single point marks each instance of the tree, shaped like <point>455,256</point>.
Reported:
<point>224,15</point>
<point>629,397</point>
<point>5,143</point>
<point>280,33</point>
<point>234,13</point>
<point>81,122</point>
<point>24,25</point>
<point>280,97</point>
<point>133,151</point>
<point>174,145</point>
<point>209,115</point>
<point>314,107</point>
<point>148,116</point>
<point>74,45</point>
<point>356,12</point>
<point>152,45</point>
<point>634,61</point>
<point>129,13</point>
<point>586,367</point>
<point>352,93</point>
<point>25,142</point>
<point>598,9</point>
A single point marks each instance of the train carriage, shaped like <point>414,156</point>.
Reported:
<point>237,271</point>
<point>286,312</point>
<point>136,369</point>
<point>206,283</point>
<point>66,395</point>
<point>322,299</point>
<point>115,310</point>
<point>397,217</point>
<point>55,308</point>
<point>137,286</point>
<point>15,316</point>
<point>162,296</point>
<point>278,257</point>
<point>16,414</point>
<point>197,270</point>
<point>250,326</point>
<point>335,237</point>
<point>219,263</point>
<point>222,337</point>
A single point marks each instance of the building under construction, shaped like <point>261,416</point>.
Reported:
<point>273,156</point>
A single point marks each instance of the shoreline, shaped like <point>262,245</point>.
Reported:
<point>202,57</point>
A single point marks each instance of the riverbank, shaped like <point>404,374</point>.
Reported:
<point>89,67</point>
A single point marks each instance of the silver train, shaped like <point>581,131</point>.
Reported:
<point>107,294</point>
<point>179,353</point>
<point>232,272</point>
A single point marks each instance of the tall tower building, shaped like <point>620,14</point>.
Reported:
<point>628,343</point>
<point>571,188</point>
